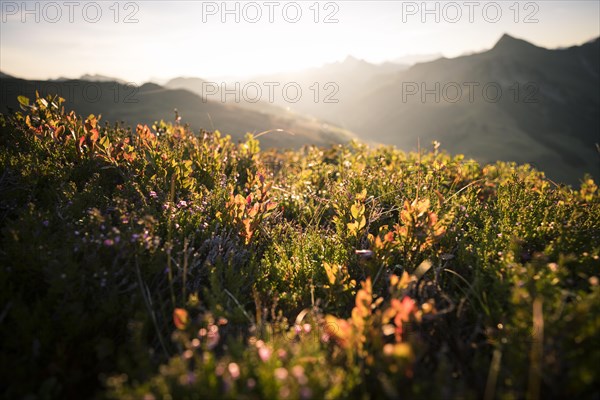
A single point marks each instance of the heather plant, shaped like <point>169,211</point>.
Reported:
<point>158,262</point>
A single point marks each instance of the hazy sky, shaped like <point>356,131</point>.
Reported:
<point>139,40</point>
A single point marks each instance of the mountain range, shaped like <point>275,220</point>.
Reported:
<point>515,102</point>
<point>151,102</point>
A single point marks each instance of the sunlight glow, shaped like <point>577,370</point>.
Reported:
<point>160,40</point>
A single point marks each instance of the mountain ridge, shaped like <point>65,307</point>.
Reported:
<point>151,102</point>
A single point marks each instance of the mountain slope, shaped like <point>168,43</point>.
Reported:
<point>150,102</point>
<point>546,112</point>
<point>101,78</point>
<point>326,90</point>
<point>212,91</point>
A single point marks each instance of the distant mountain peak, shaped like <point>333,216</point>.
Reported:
<point>100,78</point>
<point>593,41</point>
<point>511,43</point>
<point>351,60</point>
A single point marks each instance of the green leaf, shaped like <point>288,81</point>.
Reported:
<point>24,101</point>
<point>104,142</point>
<point>422,269</point>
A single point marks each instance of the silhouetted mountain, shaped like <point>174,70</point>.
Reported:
<point>101,78</point>
<point>509,45</point>
<point>530,105</point>
<point>210,90</point>
<point>412,59</point>
<point>151,102</point>
<point>515,102</point>
<point>191,84</point>
<point>326,89</point>
<point>322,89</point>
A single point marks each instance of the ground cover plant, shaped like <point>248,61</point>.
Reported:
<point>157,262</point>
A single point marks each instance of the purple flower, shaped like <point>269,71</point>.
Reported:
<point>305,393</point>
<point>190,378</point>
<point>153,194</point>
<point>108,242</point>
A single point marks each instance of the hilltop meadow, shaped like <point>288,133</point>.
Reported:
<point>157,262</point>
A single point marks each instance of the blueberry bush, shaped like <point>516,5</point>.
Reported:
<point>162,263</point>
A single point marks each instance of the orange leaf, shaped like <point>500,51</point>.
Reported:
<point>339,330</point>
<point>59,131</point>
<point>94,135</point>
<point>180,318</point>
<point>389,237</point>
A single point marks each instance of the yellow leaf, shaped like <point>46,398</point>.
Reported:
<point>357,210</point>
<point>440,197</point>
<point>330,272</point>
<point>352,227</point>
<point>362,195</point>
<point>421,206</point>
<point>402,350</point>
<point>362,223</point>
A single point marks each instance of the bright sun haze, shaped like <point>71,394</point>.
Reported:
<point>158,39</point>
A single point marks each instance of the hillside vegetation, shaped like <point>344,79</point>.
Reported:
<point>159,263</point>
<point>515,102</point>
<point>131,105</point>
